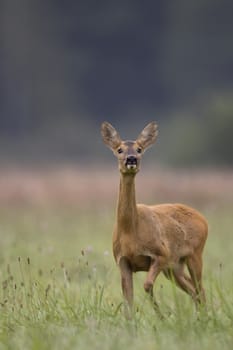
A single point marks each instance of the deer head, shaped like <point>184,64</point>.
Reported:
<point>129,153</point>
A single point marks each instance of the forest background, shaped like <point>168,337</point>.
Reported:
<point>66,67</point>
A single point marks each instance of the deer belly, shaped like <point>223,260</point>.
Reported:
<point>140,263</point>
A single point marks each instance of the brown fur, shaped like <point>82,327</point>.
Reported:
<point>160,238</point>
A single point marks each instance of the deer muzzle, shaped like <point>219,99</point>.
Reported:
<point>131,162</point>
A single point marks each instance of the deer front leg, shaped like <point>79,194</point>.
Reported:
<point>127,285</point>
<point>154,270</point>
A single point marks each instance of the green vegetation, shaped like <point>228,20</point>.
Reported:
<point>200,137</point>
<point>60,287</point>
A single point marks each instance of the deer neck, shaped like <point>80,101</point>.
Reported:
<point>126,208</point>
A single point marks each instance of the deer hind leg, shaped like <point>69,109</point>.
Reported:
<point>182,280</point>
<point>194,264</point>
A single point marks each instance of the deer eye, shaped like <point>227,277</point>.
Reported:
<point>139,150</point>
<point>120,150</point>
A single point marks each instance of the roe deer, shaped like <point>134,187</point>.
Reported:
<point>153,238</point>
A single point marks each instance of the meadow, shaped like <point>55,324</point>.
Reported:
<point>59,285</point>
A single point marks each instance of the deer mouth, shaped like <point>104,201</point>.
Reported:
<point>131,163</point>
<point>131,166</point>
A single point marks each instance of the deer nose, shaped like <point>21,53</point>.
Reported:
<point>131,160</point>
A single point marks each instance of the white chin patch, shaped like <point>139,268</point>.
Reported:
<point>131,166</point>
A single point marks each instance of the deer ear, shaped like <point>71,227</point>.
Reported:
<point>148,135</point>
<point>110,136</point>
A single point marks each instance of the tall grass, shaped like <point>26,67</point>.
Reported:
<point>60,289</point>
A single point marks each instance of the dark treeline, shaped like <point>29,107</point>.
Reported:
<point>67,66</point>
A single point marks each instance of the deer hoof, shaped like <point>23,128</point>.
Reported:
<point>148,286</point>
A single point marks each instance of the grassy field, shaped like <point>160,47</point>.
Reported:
<point>60,287</point>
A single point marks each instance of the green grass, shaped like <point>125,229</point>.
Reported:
<point>60,288</point>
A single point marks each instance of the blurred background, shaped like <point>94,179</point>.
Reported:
<point>67,66</point>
